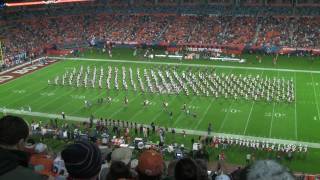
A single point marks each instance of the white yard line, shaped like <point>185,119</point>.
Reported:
<point>205,113</point>
<point>245,129</point>
<point>120,109</point>
<point>185,64</point>
<point>228,110</point>
<point>103,108</point>
<point>272,117</point>
<point>295,107</point>
<point>116,112</point>
<point>315,95</point>
<point>188,131</point>
<point>181,114</point>
<point>248,120</point>
<point>57,97</point>
<point>136,114</point>
<point>270,130</point>
<point>155,118</point>
<point>225,117</point>
<point>24,96</point>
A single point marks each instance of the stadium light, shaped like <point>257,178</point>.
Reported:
<point>2,4</point>
<point>44,2</point>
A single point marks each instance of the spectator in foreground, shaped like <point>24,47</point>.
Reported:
<point>122,154</point>
<point>13,159</point>
<point>170,171</point>
<point>203,169</point>
<point>186,169</point>
<point>82,160</point>
<point>118,170</point>
<point>150,165</point>
<point>268,169</point>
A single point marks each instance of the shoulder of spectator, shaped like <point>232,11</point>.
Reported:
<point>21,171</point>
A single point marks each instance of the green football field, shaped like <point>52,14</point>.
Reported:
<point>299,120</point>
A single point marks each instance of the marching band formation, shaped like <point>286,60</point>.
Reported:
<point>261,145</point>
<point>169,80</point>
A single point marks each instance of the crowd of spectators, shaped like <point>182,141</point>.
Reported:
<point>300,32</point>
<point>88,156</point>
<point>29,33</point>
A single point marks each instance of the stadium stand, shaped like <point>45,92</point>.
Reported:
<point>28,33</point>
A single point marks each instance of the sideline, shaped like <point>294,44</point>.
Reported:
<point>188,131</point>
<point>185,64</point>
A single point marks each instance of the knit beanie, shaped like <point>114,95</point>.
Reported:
<point>82,159</point>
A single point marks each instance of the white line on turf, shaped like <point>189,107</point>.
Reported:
<point>84,108</point>
<point>245,129</point>
<point>205,113</point>
<point>271,124</point>
<point>295,106</point>
<point>248,120</point>
<point>188,131</point>
<point>120,109</point>
<point>136,114</point>
<point>272,117</point>
<point>185,64</point>
<point>56,99</point>
<point>103,108</point>
<point>180,115</point>
<point>155,118</point>
<point>229,108</point>
<point>16,100</point>
<point>225,117</point>
<point>315,95</point>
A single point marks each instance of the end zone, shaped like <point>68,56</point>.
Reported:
<point>22,70</point>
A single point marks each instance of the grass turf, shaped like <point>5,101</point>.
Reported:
<point>295,121</point>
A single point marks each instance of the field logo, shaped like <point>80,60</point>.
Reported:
<point>5,78</point>
<point>25,69</point>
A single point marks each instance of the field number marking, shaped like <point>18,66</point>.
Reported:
<point>276,115</point>
<point>19,91</point>
<point>312,84</point>
<point>47,94</point>
<point>231,110</point>
<point>78,97</point>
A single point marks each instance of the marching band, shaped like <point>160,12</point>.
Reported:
<point>199,82</point>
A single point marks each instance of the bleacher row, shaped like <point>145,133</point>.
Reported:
<point>26,32</point>
<point>33,35</point>
<point>202,9</point>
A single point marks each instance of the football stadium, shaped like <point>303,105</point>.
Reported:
<point>160,89</point>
